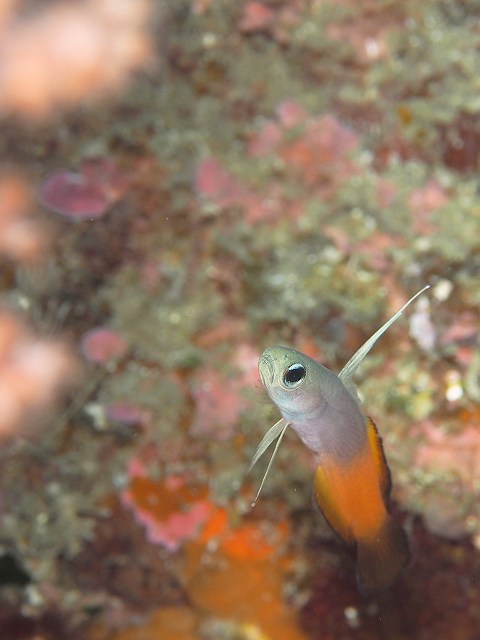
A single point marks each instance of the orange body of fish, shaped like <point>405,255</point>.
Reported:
<point>354,496</point>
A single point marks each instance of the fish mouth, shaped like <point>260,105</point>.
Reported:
<point>266,369</point>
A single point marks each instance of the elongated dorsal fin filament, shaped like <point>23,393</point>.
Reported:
<point>352,365</point>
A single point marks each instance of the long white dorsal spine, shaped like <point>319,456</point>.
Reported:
<point>349,369</point>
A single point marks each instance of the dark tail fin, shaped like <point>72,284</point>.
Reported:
<point>380,560</point>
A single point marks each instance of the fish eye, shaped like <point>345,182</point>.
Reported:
<point>294,374</point>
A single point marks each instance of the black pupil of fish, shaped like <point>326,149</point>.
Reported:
<point>294,373</point>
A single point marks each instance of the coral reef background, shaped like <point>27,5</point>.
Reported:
<point>184,182</point>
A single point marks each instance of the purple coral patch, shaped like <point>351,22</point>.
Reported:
<point>87,194</point>
<point>73,195</point>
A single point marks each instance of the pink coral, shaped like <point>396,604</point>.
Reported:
<point>169,510</point>
<point>177,528</point>
<point>430,197</point>
<point>101,345</point>
<point>256,16</point>
<point>218,404</point>
<point>291,113</point>
<point>246,359</point>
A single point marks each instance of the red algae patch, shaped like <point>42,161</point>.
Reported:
<point>319,153</point>
<point>323,151</point>
<point>247,542</point>
<point>101,345</point>
<point>274,19</point>
<point>215,183</point>
<point>219,189</point>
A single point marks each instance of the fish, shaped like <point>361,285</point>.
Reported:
<point>352,480</point>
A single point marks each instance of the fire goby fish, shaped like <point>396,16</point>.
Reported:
<point>352,480</point>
